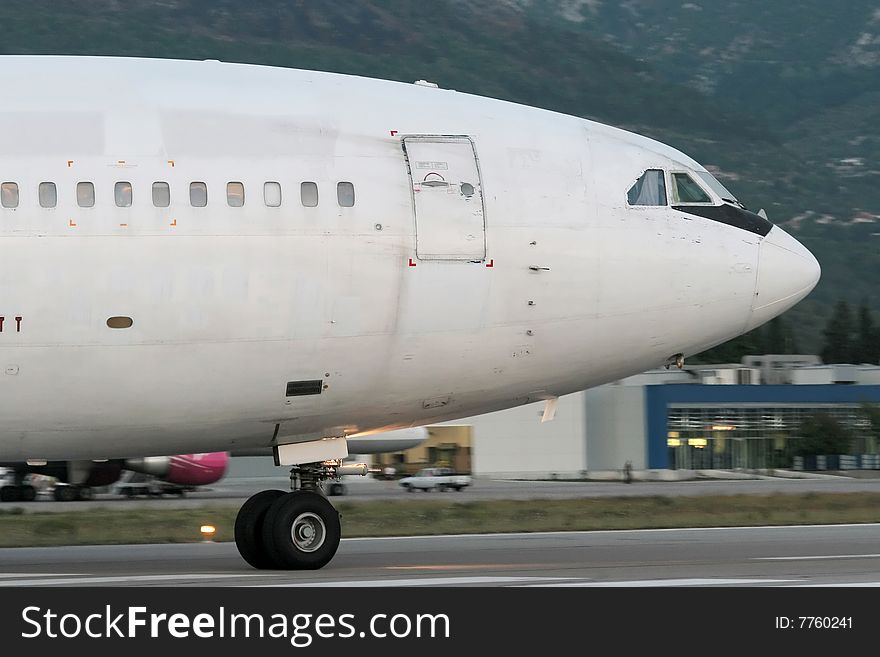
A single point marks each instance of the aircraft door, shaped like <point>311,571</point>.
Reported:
<point>447,197</point>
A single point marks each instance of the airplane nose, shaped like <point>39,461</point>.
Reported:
<point>787,272</point>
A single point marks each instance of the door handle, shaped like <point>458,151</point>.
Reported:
<point>537,268</point>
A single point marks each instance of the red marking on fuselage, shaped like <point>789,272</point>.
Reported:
<point>411,263</point>
<point>18,324</point>
<point>491,263</point>
<point>394,133</point>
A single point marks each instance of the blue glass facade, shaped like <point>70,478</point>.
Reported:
<point>779,403</point>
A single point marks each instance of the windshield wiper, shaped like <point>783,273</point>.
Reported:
<point>734,202</point>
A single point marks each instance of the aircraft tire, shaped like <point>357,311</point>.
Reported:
<point>301,531</point>
<point>64,493</point>
<point>27,493</point>
<point>9,494</point>
<point>249,528</point>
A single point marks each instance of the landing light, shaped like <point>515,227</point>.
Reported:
<point>208,532</point>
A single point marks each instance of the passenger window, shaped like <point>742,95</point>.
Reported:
<point>308,193</point>
<point>85,195</point>
<point>198,194</point>
<point>48,194</point>
<point>9,194</point>
<point>235,194</point>
<point>649,189</point>
<point>161,195</point>
<point>272,194</point>
<point>686,190</point>
<point>122,193</point>
<point>345,194</point>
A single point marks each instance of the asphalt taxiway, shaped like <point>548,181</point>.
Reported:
<point>817,555</point>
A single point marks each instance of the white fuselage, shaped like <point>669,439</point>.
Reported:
<point>564,286</point>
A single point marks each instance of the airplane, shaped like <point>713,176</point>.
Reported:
<point>202,256</point>
<point>79,478</point>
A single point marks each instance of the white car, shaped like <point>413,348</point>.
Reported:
<point>439,479</point>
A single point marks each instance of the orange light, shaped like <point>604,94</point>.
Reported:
<point>208,532</point>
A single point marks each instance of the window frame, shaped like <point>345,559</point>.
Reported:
<point>153,193</point>
<point>673,189</point>
<point>302,199</point>
<point>339,187</point>
<point>667,201</point>
<point>54,194</point>
<point>277,185</point>
<point>17,191</point>
<point>119,184</point>
<point>232,195</point>
<point>192,185</point>
<point>86,184</point>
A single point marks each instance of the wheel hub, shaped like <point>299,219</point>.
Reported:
<point>308,532</point>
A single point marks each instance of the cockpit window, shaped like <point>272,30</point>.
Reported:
<point>686,190</point>
<point>717,187</point>
<point>649,189</point>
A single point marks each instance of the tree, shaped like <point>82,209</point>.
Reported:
<point>839,339</point>
<point>821,433</point>
<point>867,350</point>
<point>778,338</point>
<point>773,338</point>
<point>732,351</point>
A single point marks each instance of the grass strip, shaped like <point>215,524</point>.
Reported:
<point>117,524</point>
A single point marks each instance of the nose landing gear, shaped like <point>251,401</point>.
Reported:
<point>295,530</point>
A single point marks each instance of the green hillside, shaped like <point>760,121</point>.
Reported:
<point>809,72</point>
<point>780,98</point>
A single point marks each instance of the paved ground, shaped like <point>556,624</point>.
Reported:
<point>235,491</point>
<point>841,555</point>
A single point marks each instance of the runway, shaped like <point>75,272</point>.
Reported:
<point>818,555</point>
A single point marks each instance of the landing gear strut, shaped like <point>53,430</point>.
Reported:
<point>295,530</point>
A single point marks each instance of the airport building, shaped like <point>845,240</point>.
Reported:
<point>730,416</point>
